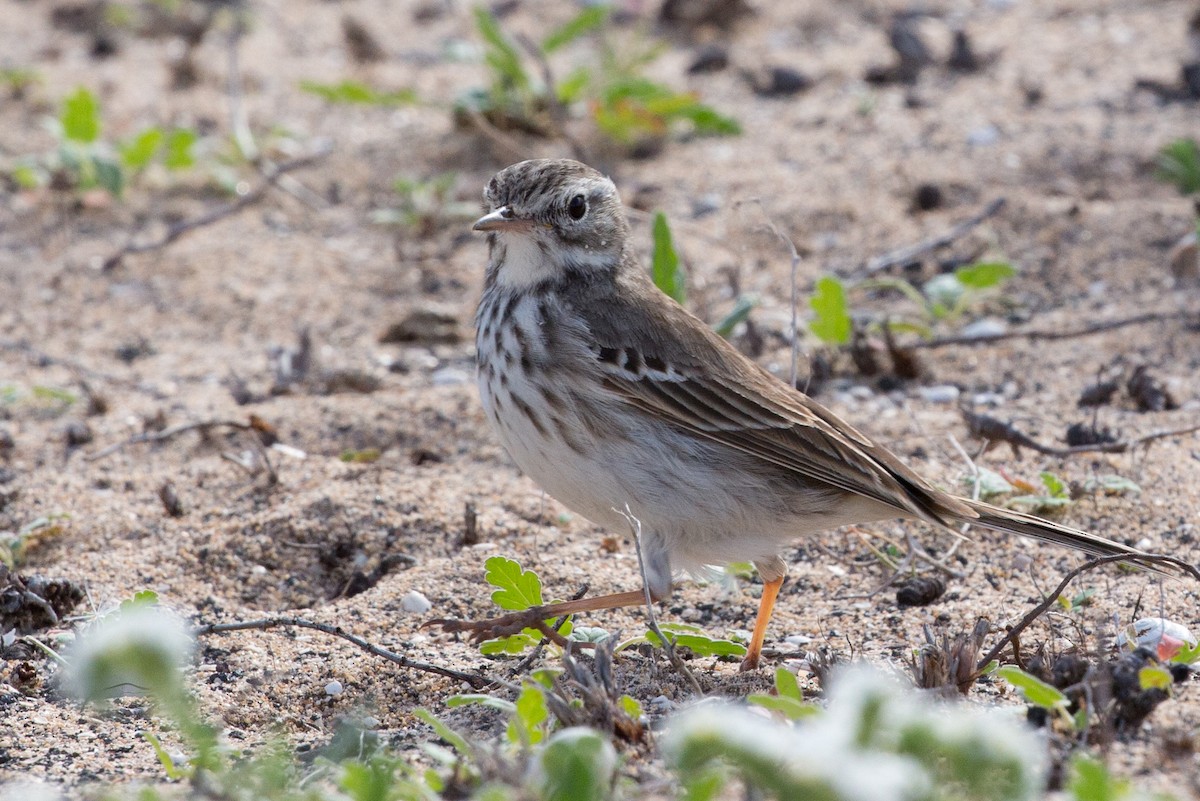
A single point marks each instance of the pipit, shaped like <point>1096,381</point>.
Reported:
<point>613,397</point>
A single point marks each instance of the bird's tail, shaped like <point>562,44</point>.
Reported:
<point>1011,522</point>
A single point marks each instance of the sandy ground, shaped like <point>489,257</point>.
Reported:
<point>1053,124</point>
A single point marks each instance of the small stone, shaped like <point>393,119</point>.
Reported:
<point>983,136</point>
<point>710,58</point>
<point>1185,259</point>
<point>780,82</point>
<point>334,688</point>
<point>77,433</point>
<point>415,603</point>
<point>928,197</point>
<point>945,393</point>
<point>425,326</point>
<point>985,327</point>
<point>797,640</point>
<point>449,376</point>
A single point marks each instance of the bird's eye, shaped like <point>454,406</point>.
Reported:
<point>577,207</point>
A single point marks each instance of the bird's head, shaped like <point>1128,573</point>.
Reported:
<point>552,220</point>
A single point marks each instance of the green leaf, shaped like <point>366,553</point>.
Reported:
<point>456,740</point>
<point>1187,654</point>
<point>356,93</point>
<point>1091,781</point>
<point>571,88</point>
<point>831,322</point>
<point>481,699</point>
<point>364,456</point>
<point>140,599</point>
<point>517,589</point>
<point>1155,677</point>
<point>739,314</point>
<point>1112,485</point>
<point>577,765</point>
<point>513,644</point>
<point>631,707</point>
<point>665,262</point>
<point>696,641</point>
<point>587,20</point>
<point>500,54</point>
<point>789,707</point>
<point>173,771</point>
<point>1033,689</point>
<point>109,175</point>
<point>786,684</point>
<point>984,275</point>
<point>527,725</point>
<point>991,483</point>
<point>137,153</point>
<point>80,117</point>
<point>179,149</point>
<point>1054,485</point>
<point>1178,163</point>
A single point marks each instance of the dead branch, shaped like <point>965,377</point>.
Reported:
<point>476,680</point>
<point>910,253</point>
<point>271,176</point>
<point>993,430</point>
<point>1043,334</point>
<point>1013,633</point>
<point>169,433</point>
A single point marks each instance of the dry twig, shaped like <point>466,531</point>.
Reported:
<point>271,176</point>
<point>476,680</point>
<point>989,428</point>
<point>169,433</point>
<point>1014,633</point>
<point>910,253</point>
<point>1044,334</point>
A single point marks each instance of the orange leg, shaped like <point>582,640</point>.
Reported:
<point>765,607</point>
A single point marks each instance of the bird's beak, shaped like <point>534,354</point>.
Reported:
<point>502,219</point>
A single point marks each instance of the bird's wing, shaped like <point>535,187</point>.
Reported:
<point>736,403</point>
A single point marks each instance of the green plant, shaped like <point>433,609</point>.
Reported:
<point>664,264</point>
<point>788,699</point>
<point>1178,163</point>
<point>943,298</point>
<point>875,740</point>
<point>357,93</point>
<point>84,160</point>
<point>626,107</point>
<point>425,205</point>
<point>516,590</point>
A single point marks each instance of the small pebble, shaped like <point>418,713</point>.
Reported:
<point>333,688</point>
<point>797,639</point>
<point>449,376</point>
<point>781,82</point>
<point>710,58</point>
<point>415,603</point>
<point>985,327</point>
<point>984,136</point>
<point>945,393</point>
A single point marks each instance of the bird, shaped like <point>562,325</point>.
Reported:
<point>622,405</point>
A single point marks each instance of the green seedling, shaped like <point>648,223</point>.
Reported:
<point>693,638</point>
<point>623,105</point>
<point>84,160</point>
<point>788,699</point>
<point>426,205</point>
<point>356,93</point>
<point>739,314</point>
<point>1178,163</point>
<point>1055,496</point>
<point>831,321</point>
<point>517,589</point>
<point>664,264</point>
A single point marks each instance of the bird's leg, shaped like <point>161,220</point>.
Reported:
<point>773,574</point>
<point>535,617</point>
